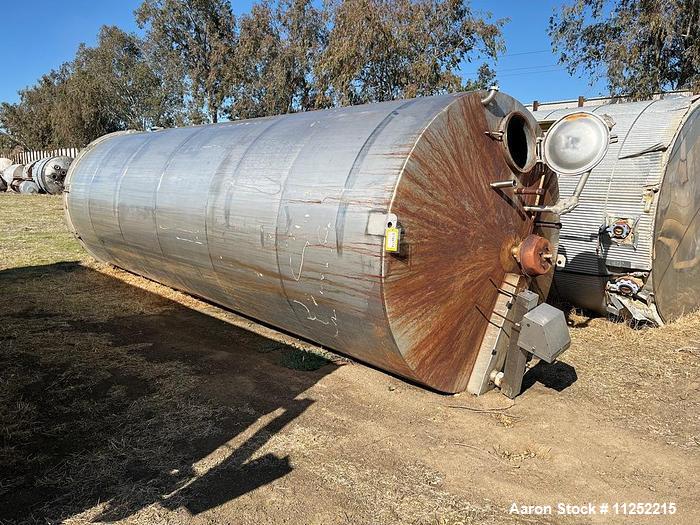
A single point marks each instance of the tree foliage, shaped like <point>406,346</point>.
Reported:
<point>387,49</point>
<point>106,88</point>
<point>197,63</point>
<point>196,38</point>
<point>640,46</point>
<point>272,71</point>
<point>29,122</point>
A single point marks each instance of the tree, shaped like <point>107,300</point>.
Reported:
<point>111,87</point>
<point>272,71</point>
<point>387,49</point>
<point>106,88</point>
<point>28,123</point>
<point>195,39</point>
<point>639,46</point>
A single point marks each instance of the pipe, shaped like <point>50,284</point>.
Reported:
<point>563,206</point>
<point>491,95</point>
<point>504,184</point>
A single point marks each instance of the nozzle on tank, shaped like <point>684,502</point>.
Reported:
<point>534,255</point>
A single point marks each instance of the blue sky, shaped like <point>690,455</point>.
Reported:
<point>528,71</point>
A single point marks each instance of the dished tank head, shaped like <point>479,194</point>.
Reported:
<point>676,263</point>
<point>49,173</point>
<point>384,232</point>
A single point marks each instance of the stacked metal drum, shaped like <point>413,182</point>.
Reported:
<point>45,175</point>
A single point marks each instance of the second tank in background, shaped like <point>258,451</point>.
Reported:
<point>632,247</point>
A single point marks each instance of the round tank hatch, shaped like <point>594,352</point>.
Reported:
<point>576,143</point>
<point>519,142</point>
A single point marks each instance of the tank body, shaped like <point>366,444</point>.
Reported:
<point>283,219</point>
<point>49,173</point>
<point>28,187</point>
<point>633,244</point>
<point>11,173</point>
<point>4,163</point>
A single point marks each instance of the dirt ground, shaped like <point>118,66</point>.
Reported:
<point>125,401</point>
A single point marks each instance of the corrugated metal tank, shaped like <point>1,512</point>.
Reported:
<point>633,244</point>
<point>283,220</point>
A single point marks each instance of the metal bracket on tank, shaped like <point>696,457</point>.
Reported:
<point>541,332</point>
<point>563,205</point>
<point>526,330</point>
<point>377,222</point>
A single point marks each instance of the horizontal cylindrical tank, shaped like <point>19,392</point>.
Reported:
<point>28,170</point>
<point>11,173</point>
<point>4,163</point>
<point>49,173</point>
<point>633,244</point>
<point>28,186</point>
<point>372,230</point>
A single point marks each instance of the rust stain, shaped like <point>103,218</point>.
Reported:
<point>457,228</point>
<point>576,116</point>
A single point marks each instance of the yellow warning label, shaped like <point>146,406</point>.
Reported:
<point>391,240</point>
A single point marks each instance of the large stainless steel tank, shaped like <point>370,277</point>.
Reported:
<point>12,173</point>
<point>285,220</point>
<point>633,245</point>
<point>49,173</point>
<point>4,163</point>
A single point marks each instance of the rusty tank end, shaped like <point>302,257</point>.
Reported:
<point>386,232</point>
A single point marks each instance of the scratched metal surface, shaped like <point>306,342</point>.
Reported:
<point>676,275</point>
<point>269,217</point>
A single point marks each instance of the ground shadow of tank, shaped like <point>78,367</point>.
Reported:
<point>557,376</point>
<point>94,399</point>
<point>584,289</point>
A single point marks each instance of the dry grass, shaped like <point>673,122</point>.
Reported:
<point>86,418</point>
<point>32,232</point>
<point>633,371</point>
<point>121,399</point>
<point>80,415</point>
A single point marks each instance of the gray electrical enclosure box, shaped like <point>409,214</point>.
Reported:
<point>543,332</point>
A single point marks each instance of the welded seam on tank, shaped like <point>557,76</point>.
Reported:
<point>617,160</point>
<point>88,197</point>
<point>234,177</point>
<point>69,177</point>
<point>120,180</point>
<point>666,124</point>
<point>601,109</point>
<point>415,144</point>
<point>156,191</point>
<point>217,172</point>
<point>291,302</point>
<point>354,171</point>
